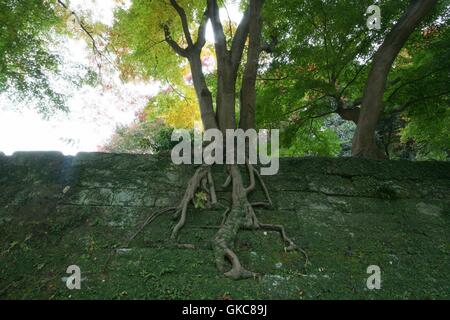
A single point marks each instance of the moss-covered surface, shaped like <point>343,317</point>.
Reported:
<point>347,214</point>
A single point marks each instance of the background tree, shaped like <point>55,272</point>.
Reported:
<point>364,144</point>
<point>319,65</point>
<point>25,58</point>
<point>30,66</point>
<point>299,65</point>
<point>417,99</point>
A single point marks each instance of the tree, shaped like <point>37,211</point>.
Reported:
<point>318,67</point>
<point>136,32</point>
<point>140,137</point>
<point>318,62</point>
<point>416,99</point>
<point>30,65</point>
<point>364,144</point>
<point>25,59</point>
<point>151,131</point>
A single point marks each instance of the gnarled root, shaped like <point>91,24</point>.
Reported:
<point>239,216</point>
<point>201,179</point>
<point>224,242</point>
<point>242,217</point>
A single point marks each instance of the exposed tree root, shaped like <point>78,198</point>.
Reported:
<point>149,220</point>
<point>202,178</point>
<point>242,216</point>
<point>223,243</point>
<point>239,215</point>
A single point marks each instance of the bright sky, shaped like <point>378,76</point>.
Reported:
<point>94,112</point>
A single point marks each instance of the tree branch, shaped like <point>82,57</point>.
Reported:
<point>412,102</point>
<point>404,84</point>
<point>273,79</point>
<point>201,38</point>
<point>184,22</point>
<point>168,37</point>
<point>310,104</point>
<point>355,77</point>
<point>85,30</point>
<point>269,47</point>
<point>238,44</point>
<point>248,89</point>
<point>220,39</point>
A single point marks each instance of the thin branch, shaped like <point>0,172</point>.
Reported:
<point>412,102</point>
<point>230,27</point>
<point>355,77</point>
<point>181,95</point>
<point>404,84</point>
<point>273,79</point>
<point>184,22</point>
<point>306,105</point>
<point>269,47</point>
<point>201,38</point>
<point>238,43</point>
<point>175,46</point>
<point>321,115</point>
<point>220,39</point>
<point>86,31</point>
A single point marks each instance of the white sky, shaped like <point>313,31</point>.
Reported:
<point>94,113</point>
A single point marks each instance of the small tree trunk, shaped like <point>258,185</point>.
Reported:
<point>226,96</point>
<point>364,144</point>
<point>248,89</point>
<point>203,93</point>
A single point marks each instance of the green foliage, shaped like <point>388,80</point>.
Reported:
<point>139,34</point>
<point>430,131</point>
<point>422,94</point>
<point>322,52</point>
<point>176,105</point>
<point>200,200</point>
<point>321,62</point>
<point>146,135</point>
<point>312,140</point>
<point>162,141</point>
<point>140,137</point>
<point>25,60</point>
<point>32,72</point>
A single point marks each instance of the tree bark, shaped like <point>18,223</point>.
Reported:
<point>364,144</point>
<point>203,93</point>
<point>228,62</point>
<point>349,113</point>
<point>247,118</point>
<point>193,53</point>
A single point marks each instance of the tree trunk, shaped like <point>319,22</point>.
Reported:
<point>203,93</point>
<point>248,90</point>
<point>226,96</point>
<point>364,144</point>
<point>228,62</point>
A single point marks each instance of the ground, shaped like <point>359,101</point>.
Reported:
<point>347,214</point>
